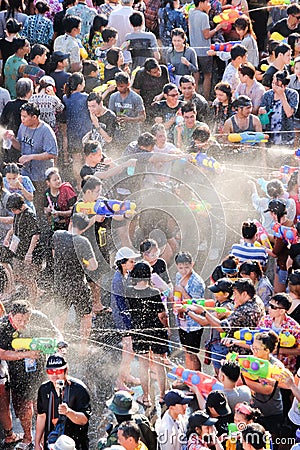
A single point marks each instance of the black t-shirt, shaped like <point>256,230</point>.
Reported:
<point>109,74</point>
<point>145,304</point>
<point>69,254</point>
<point>160,267</point>
<point>58,24</point>
<point>161,109</point>
<point>7,49</point>
<point>11,116</point>
<point>77,397</point>
<point>7,333</point>
<point>25,226</point>
<point>268,76</point>
<point>150,86</point>
<point>60,222</point>
<point>282,28</point>
<point>60,77</point>
<point>91,83</point>
<point>294,251</point>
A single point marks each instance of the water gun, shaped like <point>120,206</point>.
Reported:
<point>288,170</point>
<point>278,37</point>
<point>106,208</point>
<point>209,305</point>
<point>205,383</point>
<point>288,234</point>
<point>82,51</point>
<point>255,368</point>
<point>262,235</point>
<point>171,73</point>
<point>228,15</point>
<point>47,346</point>
<point>297,153</point>
<point>264,67</point>
<point>202,160</point>
<point>287,340</point>
<point>223,46</point>
<point>199,206</point>
<point>248,137</point>
<point>105,86</point>
<point>110,208</point>
<point>187,9</point>
<point>233,435</point>
<point>279,2</point>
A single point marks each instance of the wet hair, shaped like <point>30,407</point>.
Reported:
<point>157,127</point>
<point>112,56</point>
<point>146,140</point>
<point>23,87</point>
<point>282,300</point>
<point>20,307</point>
<point>255,435</point>
<point>50,172</point>
<point>293,9</point>
<point>136,19</point>
<point>201,133</point>
<point>238,50</point>
<point>281,48</point>
<point>42,7</point>
<point>15,201</point>
<point>141,271</point>
<point>130,429</point>
<point>226,88</point>
<point>275,188</point>
<point>73,82</point>
<point>188,107</point>
<point>231,369</point>
<point>147,245</point>
<point>244,285</point>
<point>32,109</point>
<point>292,40</point>
<point>100,21</point>
<point>80,221</point>
<point>244,23</point>
<point>268,338</point>
<point>247,69</point>
<point>11,168</point>
<point>89,66</point>
<point>70,22</point>
<point>91,146</point>
<point>169,87</point>
<point>183,257</point>
<point>91,182</point>
<point>249,230</point>
<point>251,266</point>
<point>150,63</point>
<point>13,26</point>
<point>109,33</point>
<point>95,96</point>
<point>122,77</point>
<point>187,79</point>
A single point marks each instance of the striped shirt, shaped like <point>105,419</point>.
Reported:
<point>247,251</point>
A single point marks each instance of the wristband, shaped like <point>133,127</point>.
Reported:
<point>188,310</point>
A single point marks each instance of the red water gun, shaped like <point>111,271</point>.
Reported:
<point>223,46</point>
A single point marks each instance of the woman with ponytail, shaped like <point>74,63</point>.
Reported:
<point>93,40</point>
<point>244,29</point>
<point>77,118</point>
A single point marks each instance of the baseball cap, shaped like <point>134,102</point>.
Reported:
<point>46,80</point>
<point>56,362</point>
<point>122,403</point>
<point>126,253</point>
<point>59,56</point>
<point>176,397</point>
<point>277,207</point>
<point>199,418</point>
<point>218,401</point>
<point>222,285</point>
<point>63,443</point>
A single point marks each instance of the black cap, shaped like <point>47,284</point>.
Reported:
<point>277,207</point>
<point>199,418</point>
<point>222,285</point>
<point>56,362</point>
<point>59,56</point>
<point>176,397</point>
<point>218,401</point>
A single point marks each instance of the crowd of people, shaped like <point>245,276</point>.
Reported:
<point>106,106</point>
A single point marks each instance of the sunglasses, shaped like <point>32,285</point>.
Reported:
<point>274,306</point>
<point>173,95</point>
<point>55,371</point>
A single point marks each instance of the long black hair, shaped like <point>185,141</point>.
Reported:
<point>73,82</point>
<point>99,22</point>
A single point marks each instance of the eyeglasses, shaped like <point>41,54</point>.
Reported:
<point>297,17</point>
<point>274,306</point>
<point>55,371</point>
<point>173,95</point>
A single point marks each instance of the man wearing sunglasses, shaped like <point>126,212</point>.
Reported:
<point>278,320</point>
<point>63,402</point>
<point>290,24</point>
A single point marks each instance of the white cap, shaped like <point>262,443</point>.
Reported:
<point>64,442</point>
<point>126,253</point>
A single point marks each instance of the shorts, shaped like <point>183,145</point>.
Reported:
<point>144,343</point>
<point>205,64</point>
<point>282,275</point>
<point>80,298</point>
<point>191,341</point>
<point>218,352</point>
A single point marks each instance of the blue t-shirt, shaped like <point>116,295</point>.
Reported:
<point>26,182</point>
<point>34,141</point>
<point>78,120</point>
